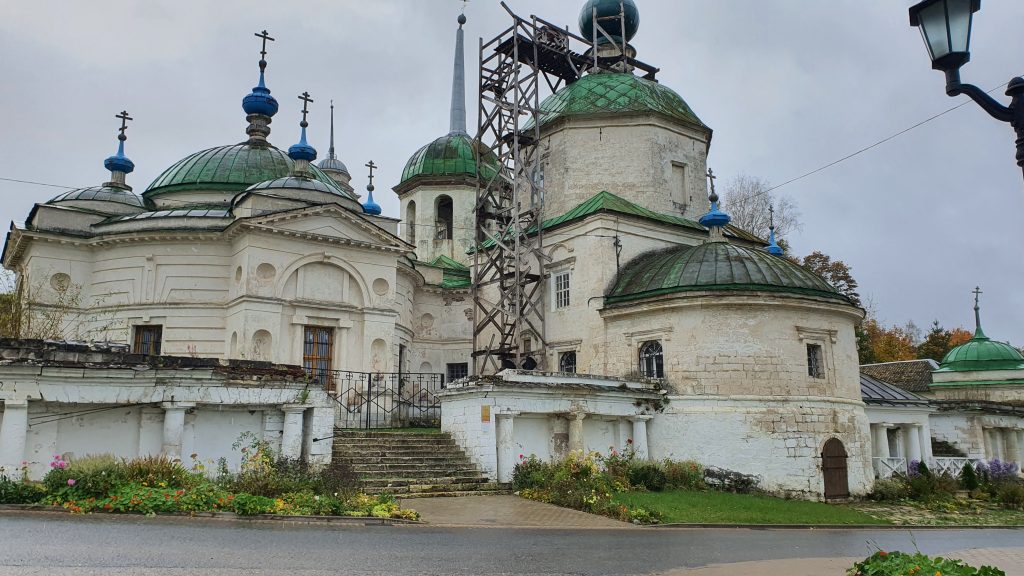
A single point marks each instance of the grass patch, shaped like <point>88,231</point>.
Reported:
<point>684,506</point>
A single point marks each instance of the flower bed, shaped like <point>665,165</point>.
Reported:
<point>157,485</point>
<point>884,563</point>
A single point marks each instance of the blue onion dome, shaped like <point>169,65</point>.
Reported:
<point>302,150</point>
<point>609,9</point>
<point>715,218</point>
<point>119,162</point>
<point>371,207</point>
<point>259,101</point>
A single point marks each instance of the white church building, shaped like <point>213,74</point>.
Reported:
<point>667,328</point>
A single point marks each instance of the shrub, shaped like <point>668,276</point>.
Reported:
<point>1000,472</point>
<point>884,563</point>
<point>617,465</point>
<point>251,505</point>
<point>158,471</point>
<point>969,478</point>
<point>88,477</point>
<point>17,492</point>
<point>531,472</point>
<point>889,490</point>
<point>1011,496</point>
<point>687,474</point>
<point>730,481</point>
<point>648,476</point>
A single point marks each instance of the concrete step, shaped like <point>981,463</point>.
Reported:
<point>415,472</point>
<point>407,460</point>
<point>397,450</point>
<point>413,489</point>
<point>415,445</point>
<point>451,494</point>
<point>408,481</point>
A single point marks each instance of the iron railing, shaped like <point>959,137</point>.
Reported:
<point>383,399</point>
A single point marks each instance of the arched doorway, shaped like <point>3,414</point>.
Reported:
<point>833,466</point>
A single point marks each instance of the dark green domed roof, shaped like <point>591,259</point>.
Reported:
<point>230,168</point>
<point>715,266</point>
<point>981,353</point>
<point>450,155</point>
<point>615,93</point>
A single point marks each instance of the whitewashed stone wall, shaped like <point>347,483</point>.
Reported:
<point>425,198</point>
<point>75,401</point>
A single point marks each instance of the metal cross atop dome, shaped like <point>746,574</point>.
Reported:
<point>371,166</point>
<point>711,180</point>
<point>305,107</point>
<point>124,124</point>
<point>977,312</point>
<point>263,51</point>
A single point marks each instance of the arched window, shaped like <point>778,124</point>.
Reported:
<point>652,360</point>
<point>410,222</point>
<point>567,362</point>
<point>445,217</point>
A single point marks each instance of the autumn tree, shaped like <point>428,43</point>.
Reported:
<point>747,200</point>
<point>836,272</point>
<point>939,341</point>
<point>877,344</point>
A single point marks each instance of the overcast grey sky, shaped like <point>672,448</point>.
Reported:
<point>787,86</point>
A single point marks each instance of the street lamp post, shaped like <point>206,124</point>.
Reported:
<point>946,28</point>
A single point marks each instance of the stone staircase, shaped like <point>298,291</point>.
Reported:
<point>411,464</point>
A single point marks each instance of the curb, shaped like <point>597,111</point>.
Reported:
<point>839,526</point>
<point>32,509</point>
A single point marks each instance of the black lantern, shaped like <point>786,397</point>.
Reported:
<point>946,28</point>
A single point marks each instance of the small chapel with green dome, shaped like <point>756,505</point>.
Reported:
<point>668,329</point>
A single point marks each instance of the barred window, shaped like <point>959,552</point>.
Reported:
<point>562,289</point>
<point>815,361</point>
<point>652,360</point>
<point>567,362</point>
<point>457,370</point>
<point>317,353</point>
<point>148,340</point>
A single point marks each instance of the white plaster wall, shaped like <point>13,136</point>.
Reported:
<point>461,417</point>
<point>629,155</point>
<point>428,246</point>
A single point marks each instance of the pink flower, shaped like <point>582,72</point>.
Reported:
<point>71,481</point>
<point>521,457</point>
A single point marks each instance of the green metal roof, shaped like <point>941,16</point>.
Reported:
<point>454,274</point>
<point>981,353</point>
<point>450,155</point>
<point>443,261</point>
<point>715,266</point>
<point>230,168</point>
<point>608,202</point>
<point>615,93</point>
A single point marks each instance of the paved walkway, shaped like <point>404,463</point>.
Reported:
<point>505,512</point>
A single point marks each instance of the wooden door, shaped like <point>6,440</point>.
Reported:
<point>833,464</point>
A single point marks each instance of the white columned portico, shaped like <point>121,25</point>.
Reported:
<point>986,439</point>
<point>926,442</point>
<point>174,428</point>
<point>640,436</point>
<point>13,434</point>
<point>291,435</point>
<point>505,438</point>
<point>1012,452</point>
<point>912,435</point>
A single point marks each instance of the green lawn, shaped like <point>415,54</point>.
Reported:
<point>682,506</point>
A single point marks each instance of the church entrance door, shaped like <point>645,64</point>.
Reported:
<point>833,465</point>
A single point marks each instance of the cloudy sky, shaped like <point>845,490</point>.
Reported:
<point>787,85</point>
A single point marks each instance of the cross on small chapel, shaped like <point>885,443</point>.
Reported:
<point>305,107</point>
<point>124,123</point>
<point>771,216</point>
<point>977,292</point>
<point>711,179</point>
<point>371,166</point>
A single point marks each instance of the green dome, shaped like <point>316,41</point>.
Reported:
<point>451,155</point>
<point>615,93</point>
<point>715,266</point>
<point>981,353</point>
<point>230,168</point>
<point>610,9</point>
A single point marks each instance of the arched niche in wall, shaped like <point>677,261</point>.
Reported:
<point>379,360</point>
<point>426,368</point>
<point>410,222</point>
<point>262,345</point>
<point>233,346</point>
<point>324,281</point>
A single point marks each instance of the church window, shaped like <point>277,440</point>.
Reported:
<point>457,370</point>
<point>148,340</point>
<point>445,217</point>
<point>815,361</point>
<point>317,353</point>
<point>652,360</point>
<point>410,222</point>
<point>567,362</point>
<point>562,289</point>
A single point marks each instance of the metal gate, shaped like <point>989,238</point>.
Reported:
<point>383,400</point>
<point>833,465</point>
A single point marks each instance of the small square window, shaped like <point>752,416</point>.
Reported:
<point>815,361</point>
<point>562,289</point>
<point>148,339</point>
<point>457,370</point>
<point>567,362</point>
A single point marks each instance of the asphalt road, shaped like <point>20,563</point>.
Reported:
<point>125,545</point>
